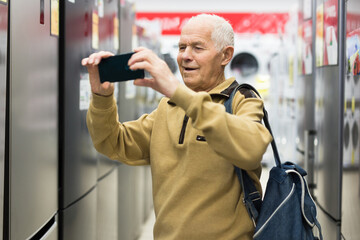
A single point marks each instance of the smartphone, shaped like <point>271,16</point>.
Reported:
<point>116,69</point>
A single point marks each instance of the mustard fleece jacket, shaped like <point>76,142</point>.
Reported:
<point>192,145</point>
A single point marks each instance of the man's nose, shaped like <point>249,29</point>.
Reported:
<point>187,54</point>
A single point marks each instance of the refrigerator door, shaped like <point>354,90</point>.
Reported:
<point>108,41</point>
<point>329,114</point>
<point>107,186</point>
<point>3,60</point>
<point>131,180</point>
<point>351,174</point>
<point>131,197</point>
<point>329,150</point>
<point>305,85</point>
<point>52,234</point>
<point>79,220</point>
<point>305,109</point>
<point>48,232</point>
<point>33,117</point>
<point>78,158</point>
<point>107,206</point>
<point>127,104</point>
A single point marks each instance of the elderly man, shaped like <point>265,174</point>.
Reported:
<point>190,141</point>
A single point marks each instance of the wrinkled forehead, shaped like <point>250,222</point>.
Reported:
<point>198,25</point>
<point>196,31</point>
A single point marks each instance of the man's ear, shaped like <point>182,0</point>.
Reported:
<point>227,54</point>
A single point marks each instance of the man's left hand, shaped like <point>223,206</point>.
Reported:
<point>163,80</point>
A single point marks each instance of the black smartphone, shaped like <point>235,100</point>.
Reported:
<point>116,69</point>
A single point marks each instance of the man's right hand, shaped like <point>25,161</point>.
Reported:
<point>91,63</point>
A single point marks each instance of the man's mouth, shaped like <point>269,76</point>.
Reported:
<point>189,69</point>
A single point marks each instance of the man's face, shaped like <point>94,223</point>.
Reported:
<point>199,61</point>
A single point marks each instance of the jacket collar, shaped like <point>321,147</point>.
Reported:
<point>225,88</point>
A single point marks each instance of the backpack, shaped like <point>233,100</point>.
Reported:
<point>287,210</point>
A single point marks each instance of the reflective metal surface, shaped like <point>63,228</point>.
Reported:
<point>78,157</point>
<point>328,165</point>
<point>107,206</point>
<point>305,90</point>
<point>80,219</point>
<point>127,102</point>
<point>330,78</point>
<point>3,59</point>
<point>131,196</point>
<point>351,153</point>
<point>108,41</point>
<point>52,234</point>
<point>33,118</point>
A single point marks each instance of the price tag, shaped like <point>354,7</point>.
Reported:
<point>95,30</point>
<point>55,17</point>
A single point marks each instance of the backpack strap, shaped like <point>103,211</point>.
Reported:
<point>228,107</point>
<point>252,198</point>
<point>308,206</point>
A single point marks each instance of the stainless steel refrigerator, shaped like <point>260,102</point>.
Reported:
<point>77,156</point>
<point>134,189</point>
<point>107,180</point>
<point>351,143</point>
<point>31,153</point>
<point>3,63</point>
<point>305,86</point>
<point>328,113</point>
<point>88,180</point>
<point>130,179</point>
<point>329,116</point>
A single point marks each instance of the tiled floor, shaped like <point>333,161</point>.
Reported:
<point>147,231</point>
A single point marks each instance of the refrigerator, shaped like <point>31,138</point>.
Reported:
<point>3,81</point>
<point>351,145</point>
<point>305,85</point>
<point>107,180</point>
<point>31,153</point>
<point>77,156</point>
<point>130,179</point>
<point>134,183</point>
<point>88,180</point>
<point>330,111</point>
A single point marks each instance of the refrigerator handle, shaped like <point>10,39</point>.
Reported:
<point>309,154</point>
<point>48,232</point>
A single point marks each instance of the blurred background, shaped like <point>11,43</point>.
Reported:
<point>302,56</point>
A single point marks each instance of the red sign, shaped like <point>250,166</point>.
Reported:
<point>262,23</point>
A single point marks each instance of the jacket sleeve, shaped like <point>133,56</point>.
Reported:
<point>126,142</point>
<point>239,137</point>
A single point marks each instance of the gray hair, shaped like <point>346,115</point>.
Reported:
<point>223,33</point>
